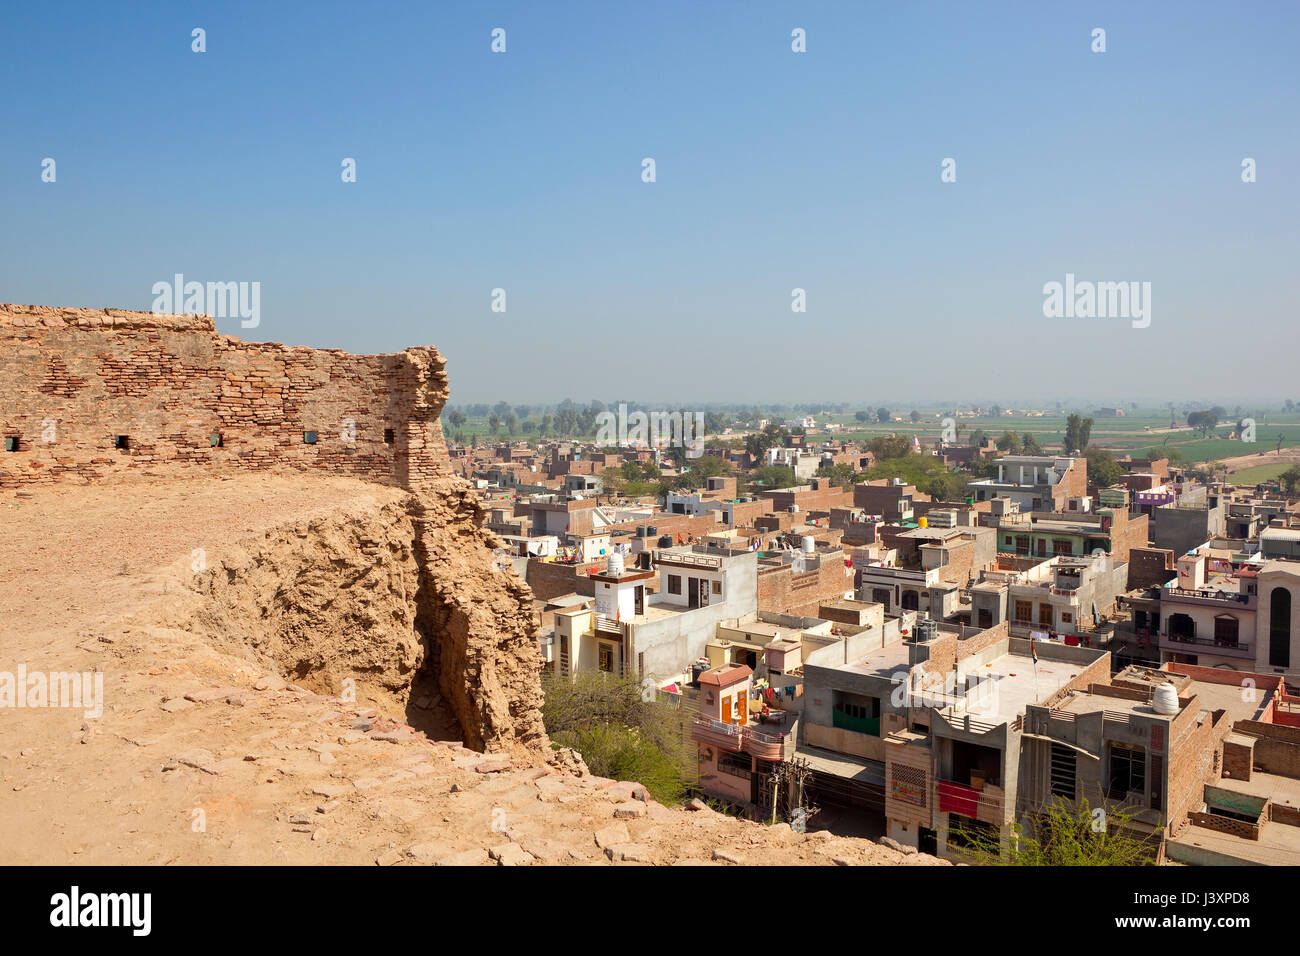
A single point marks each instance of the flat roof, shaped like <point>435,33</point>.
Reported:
<point>1020,684</point>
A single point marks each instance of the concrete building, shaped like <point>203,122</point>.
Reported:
<point>892,500</point>
<point>1036,483</point>
<point>1048,534</point>
<point>631,630</point>
<point>1065,596</point>
<point>1277,626</point>
<point>924,735</point>
<point>1189,522</point>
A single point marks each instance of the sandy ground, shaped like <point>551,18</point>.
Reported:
<point>200,757</point>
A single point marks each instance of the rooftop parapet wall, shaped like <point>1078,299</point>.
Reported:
<point>73,380</point>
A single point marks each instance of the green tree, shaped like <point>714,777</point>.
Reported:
<point>619,733</point>
<point>1009,442</point>
<point>757,443</point>
<point>1066,835</point>
<point>1077,430</point>
<point>884,446</point>
<point>772,476</point>
<point>841,475</point>
<point>1290,479</point>
<point>916,416</point>
<point>1103,469</point>
<point>882,415</point>
<point>861,416</point>
<point>1204,421</point>
<point>1029,444</point>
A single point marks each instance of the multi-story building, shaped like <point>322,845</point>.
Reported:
<point>924,735</point>
<point>1065,596</point>
<point>736,753</point>
<point>631,630</point>
<point>892,500</point>
<point>1048,534</point>
<point>1036,483</point>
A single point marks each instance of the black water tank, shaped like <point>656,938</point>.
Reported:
<point>666,541</point>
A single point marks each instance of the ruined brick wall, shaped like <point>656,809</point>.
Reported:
<point>72,380</point>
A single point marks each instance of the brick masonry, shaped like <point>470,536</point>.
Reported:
<point>73,380</point>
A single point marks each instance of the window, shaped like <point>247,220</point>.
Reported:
<point>1225,630</point>
<point>1022,545</point>
<point>1008,539</point>
<point>737,765</point>
<point>717,587</point>
<point>1060,546</point>
<point>309,438</point>
<point>606,658</point>
<point>1066,617</point>
<point>964,832</point>
<point>1127,771</point>
<point>122,441</point>
<point>1045,614</point>
<point>11,444</point>
<point>1279,628</point>
<point>388,436</point>
<point>1063,771</point>
<point>674,584</point>
<point>1024,612</point>
<point>214,440</point>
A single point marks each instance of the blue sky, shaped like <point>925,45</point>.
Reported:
<point>775,170</point>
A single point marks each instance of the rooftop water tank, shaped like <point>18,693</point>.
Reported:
<point>807,545</point>
<point>1165,699</point>
<point>614,564</point>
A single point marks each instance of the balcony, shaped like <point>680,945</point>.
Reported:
<point>728,737</point>
<point>1205,594</point>
<point>1179,641</point>
<point>986,804</point>
<point>609,625</point>
<point>763,745</point>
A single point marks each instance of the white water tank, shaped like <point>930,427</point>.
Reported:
<point>1165,699</point>
<point>807,545</point>
<point>614,564</point>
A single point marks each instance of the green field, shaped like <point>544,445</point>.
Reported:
<point>1258,473</point>
<point>1134,434</point>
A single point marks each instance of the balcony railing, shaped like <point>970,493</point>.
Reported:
<point>1219,642</point>
<point>763,745</point>
<point>726,736</point>
<point>608,625</point>
<point>1205,594</point>
<point>735,738</point>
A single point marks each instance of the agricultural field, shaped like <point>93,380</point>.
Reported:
<point>1258,473</point>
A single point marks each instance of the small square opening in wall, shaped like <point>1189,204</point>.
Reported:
<point>11,444</point>
<point>122,441</point>
<point>309,438</point>
<point>215,439</point>
<point>388,436</point>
